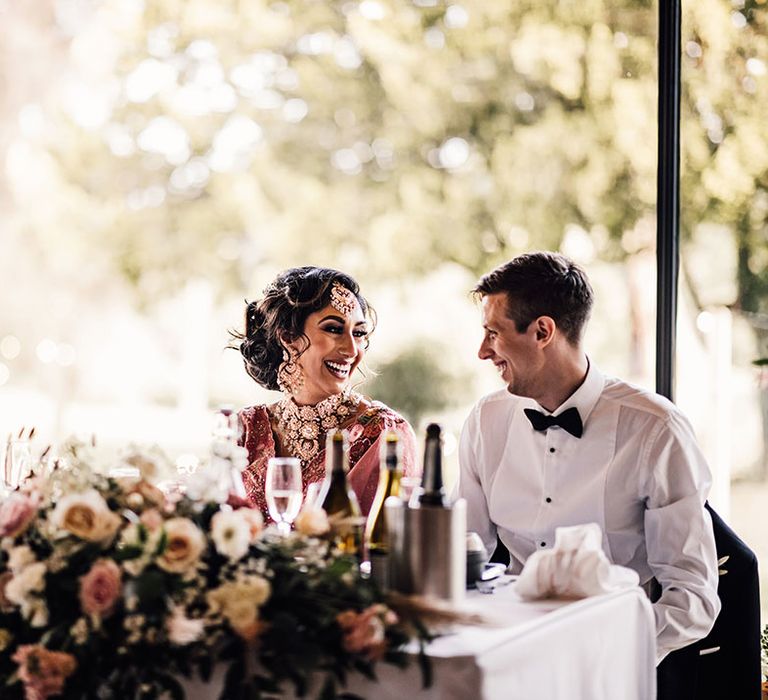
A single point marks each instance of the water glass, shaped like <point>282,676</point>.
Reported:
<point>283,491</point>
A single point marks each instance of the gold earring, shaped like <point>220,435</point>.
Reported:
<point>290,378</point>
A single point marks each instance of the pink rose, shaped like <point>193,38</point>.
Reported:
<point>100,588</point>
<point>16,513</point>
<point>43,672</point>
<point>364,633</point>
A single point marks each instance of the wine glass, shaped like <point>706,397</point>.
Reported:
<point>283,491</point>
<point>18,462</point>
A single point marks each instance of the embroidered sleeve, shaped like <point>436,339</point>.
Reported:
<point>364,457</point>
<point>257,439</point>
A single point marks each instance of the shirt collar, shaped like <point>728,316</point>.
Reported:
<point>584,398</point>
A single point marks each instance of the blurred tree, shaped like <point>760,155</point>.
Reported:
<point>380,136</point>
<point>416,385</point>
<point>213,139</point>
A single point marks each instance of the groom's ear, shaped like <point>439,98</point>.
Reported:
<point>545,329</point>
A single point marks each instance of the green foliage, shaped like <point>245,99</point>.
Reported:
<point>415,384</point>
<point>390,138</point>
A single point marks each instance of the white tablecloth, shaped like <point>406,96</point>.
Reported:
<point>599,648</point>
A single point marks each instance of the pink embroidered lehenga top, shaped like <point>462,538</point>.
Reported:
<point>365,436</point>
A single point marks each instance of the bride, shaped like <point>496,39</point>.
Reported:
<point>306,337</point>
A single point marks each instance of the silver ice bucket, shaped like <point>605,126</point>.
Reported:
<point>428,549</point>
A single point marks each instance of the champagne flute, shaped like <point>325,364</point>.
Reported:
<point>18,462</point>
<point>313,492</point>
<point>283,491</point>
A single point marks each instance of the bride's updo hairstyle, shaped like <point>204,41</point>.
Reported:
<point>281,314</point>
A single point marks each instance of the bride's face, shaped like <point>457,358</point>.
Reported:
<point>336,347</point>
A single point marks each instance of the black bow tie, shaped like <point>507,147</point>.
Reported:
<point>569,420</point>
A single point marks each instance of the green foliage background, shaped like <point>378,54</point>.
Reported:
<point>389,137</point>
<point>555,101</point>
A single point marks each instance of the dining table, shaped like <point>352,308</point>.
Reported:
<point>596,648</point>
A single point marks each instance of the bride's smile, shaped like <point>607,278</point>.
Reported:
<point>329,352</point>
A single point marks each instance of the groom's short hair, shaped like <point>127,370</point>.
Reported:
<point>542,284</point>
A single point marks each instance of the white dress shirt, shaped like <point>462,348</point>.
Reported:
<point>636,471</point>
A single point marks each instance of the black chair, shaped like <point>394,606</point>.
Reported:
<point>725,665</point>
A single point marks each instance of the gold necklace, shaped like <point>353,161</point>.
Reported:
<point>302,428</point>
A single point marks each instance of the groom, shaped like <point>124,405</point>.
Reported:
<point>564,444</point>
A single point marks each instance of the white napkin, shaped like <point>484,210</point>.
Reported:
<point>576,567</point>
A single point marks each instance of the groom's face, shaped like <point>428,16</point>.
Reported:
<point>513,353</point>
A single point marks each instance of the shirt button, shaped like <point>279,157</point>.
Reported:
<point>543,544</point>
<point>551,449</point>
<point>548,499</point>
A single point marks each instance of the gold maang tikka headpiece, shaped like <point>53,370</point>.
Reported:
<point>342,299</point>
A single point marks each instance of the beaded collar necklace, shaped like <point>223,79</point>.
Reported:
<point>303,428</point>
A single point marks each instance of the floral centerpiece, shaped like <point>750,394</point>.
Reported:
<point>108,588</point>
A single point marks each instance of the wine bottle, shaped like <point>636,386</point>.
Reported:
<point>432,489</point>
<point>337,497</point>
<point>376,537</point>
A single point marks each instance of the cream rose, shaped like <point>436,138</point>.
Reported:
<point>20,557</point>
<point>254,519</point>
<point>239,602</point>
<point>185,543</point>
<point>87,516</point>
<point>28,581</point>
<point>25,590</point>
<point>312,522</point>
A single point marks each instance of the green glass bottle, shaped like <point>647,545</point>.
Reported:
<point>337,497</point>
<point>376,534</point>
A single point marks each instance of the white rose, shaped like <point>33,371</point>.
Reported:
<point>181,629</point>
<point>231,533</point>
